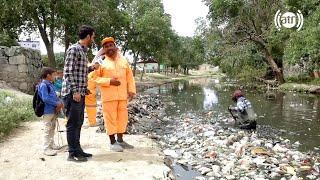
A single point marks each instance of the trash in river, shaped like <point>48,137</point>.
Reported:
<point>225,152</point>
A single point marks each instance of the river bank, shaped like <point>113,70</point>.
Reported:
<point>200,145</point>
<point>207,146</point>
<point>155,79</point>
<point>304,88</point>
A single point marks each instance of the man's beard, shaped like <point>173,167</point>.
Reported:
<point>110,52</point>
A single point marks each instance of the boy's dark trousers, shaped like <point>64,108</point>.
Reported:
<point>74,112</point>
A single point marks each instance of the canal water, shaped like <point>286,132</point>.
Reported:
<point>291,115</point>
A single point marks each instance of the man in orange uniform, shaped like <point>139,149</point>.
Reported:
<point>91,100</point>
<point>117,86</point>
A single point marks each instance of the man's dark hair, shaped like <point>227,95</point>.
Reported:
<point>84,31</point>
<point>45,71</point>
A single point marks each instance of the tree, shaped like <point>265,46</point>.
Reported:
<point>304,45</point>
<point>147,31</point>
<point>244,22</point>
<point>42,15</point>
<point>10,22</point>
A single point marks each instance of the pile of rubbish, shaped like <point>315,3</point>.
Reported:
<point>144,111</point>
<point>217,151</point>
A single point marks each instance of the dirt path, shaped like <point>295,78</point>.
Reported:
<point>21,157</point>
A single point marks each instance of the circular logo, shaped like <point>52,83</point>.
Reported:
<point>288,20</point>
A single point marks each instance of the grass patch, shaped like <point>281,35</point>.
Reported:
<point>299,87</point>
<point>303,79</point>
<point>13,111</point>
<point>315,82</point>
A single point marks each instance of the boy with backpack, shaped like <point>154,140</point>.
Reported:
<point>52,105</point>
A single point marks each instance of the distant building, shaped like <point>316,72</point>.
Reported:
<point>149,65</point>
<point>208,67</point>
<point>30,44</point>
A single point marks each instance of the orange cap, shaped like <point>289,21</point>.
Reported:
<point>107,39</point>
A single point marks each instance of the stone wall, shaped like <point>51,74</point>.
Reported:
<point>20,68</point>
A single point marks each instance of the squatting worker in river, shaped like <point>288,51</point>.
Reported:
<point>74,89</point>
<point>117,86</point>
<point>243,112</point>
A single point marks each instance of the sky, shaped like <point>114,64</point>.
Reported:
<point>183,15</point>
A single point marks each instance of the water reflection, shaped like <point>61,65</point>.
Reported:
<point>180,86</point>
<point>210,98</point>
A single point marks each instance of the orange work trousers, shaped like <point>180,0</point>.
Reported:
<point>115,114</point>
<point>91,108</point>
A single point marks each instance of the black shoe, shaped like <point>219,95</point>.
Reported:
<point>77,158</point>
<point>88,155</point>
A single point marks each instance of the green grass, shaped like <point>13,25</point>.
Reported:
<point>303,79</point>
<point>13,111</point>
<point>315,82</point>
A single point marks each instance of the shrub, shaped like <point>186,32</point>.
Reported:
<point>13,112</point>
<point>303,78</point>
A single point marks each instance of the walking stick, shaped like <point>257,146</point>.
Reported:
<point>233,116</point>
<point>60,139</point>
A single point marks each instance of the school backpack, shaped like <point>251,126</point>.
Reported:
<point>37,102</point>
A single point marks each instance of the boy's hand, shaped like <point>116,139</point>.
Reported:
<point>59,107</point>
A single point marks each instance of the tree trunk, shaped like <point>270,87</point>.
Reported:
<point>45,38</point>
<point>144,64</point>
<point>274,66</point>
<point>268,55</point>
<point>66,41</point>
<point>50,52</point>
<point>51,58</point>
<point>135,60</point>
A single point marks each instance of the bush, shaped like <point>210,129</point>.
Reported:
<point>247,73</point>
<point>303,78</point>
<point>315,81</point>
<point>13,112</point>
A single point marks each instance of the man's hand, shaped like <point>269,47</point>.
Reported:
<point>88,92</point>
<point>115,82</point>
<point>96,66</point>
<point>93,67</point>
<point>131,96</point>
<point>77,97</point>
<point>230,108</point>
